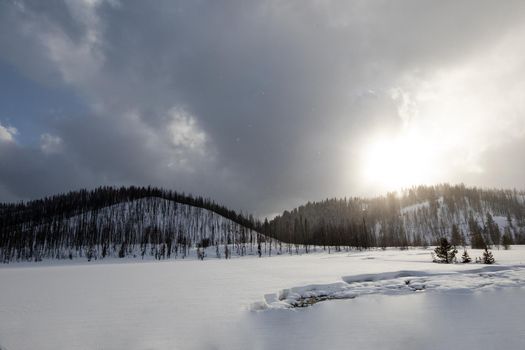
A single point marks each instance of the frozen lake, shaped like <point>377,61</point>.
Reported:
<point>207,304</point>
<point>482,320</point>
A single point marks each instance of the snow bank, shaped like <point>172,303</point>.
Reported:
<point>397,282</point>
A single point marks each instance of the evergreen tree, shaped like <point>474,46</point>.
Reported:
<point>455,238</point>
<point>465,258</point>
<point>507,240</point>
<point>445,252</point>
<point>259,248</point>
<point>493,230</point>
<point>476,238</point>
<point>487,257</point>
<point>122,250</point>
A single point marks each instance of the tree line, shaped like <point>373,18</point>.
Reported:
<point>153,222</point>
<point>126,221</point>
<point>418,216</point>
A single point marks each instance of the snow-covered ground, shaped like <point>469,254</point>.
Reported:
<point>210,304</point>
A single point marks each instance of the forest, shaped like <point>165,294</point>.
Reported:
<point>418,216</point>
<point>127,221</point>
<point>152,222</point>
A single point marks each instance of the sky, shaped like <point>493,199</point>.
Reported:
<point>260,105</point>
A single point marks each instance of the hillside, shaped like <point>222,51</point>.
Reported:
<point>155,223</point>
<point>109,222</point>
<point>416,216</point>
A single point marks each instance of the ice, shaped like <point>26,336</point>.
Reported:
<point>430,321</point>
<point>399,282</point>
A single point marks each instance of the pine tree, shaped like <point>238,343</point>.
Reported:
<point>488,258</point>
<point>226,252</point>
<point>476,238</point>
<point>445,252</point>
<point>493,230</point>
<point>455,238</point>
<point>465,258</point>
<point>259,249</point>
<point>507,240</point>
<point>122,250</point>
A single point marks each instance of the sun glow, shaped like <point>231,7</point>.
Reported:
<point>390,163</point>
<point>447,121</point>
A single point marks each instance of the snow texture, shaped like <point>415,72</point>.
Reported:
<point>191,304</point>
<point>398,282</point>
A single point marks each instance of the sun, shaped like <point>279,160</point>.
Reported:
<point>395,162</point>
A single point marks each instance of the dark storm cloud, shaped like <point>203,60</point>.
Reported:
<point>261,105</point>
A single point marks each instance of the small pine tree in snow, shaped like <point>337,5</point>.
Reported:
<point>488,258</point>
<point>465,258</point>
<point>445,252</point>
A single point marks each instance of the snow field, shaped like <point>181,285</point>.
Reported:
<point>193,304</point>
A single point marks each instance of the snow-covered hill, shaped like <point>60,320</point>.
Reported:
<point>416,216</point>
<point>145,227</point>
<point>154,223</point>
<point>430,221</point>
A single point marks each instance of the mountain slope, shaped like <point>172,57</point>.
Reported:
<point>110,222</point>
<point>150,222</point>
<point>417,216</point>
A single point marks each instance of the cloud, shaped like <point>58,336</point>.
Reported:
<point>264,105</point>
<point>50,144</point>
<point>469,109</point>
<point>7,133</point>
<point>184,131</point>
